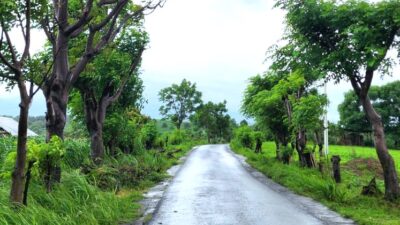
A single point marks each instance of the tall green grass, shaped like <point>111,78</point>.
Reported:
<point>73,201</point>
<point>88,195</point>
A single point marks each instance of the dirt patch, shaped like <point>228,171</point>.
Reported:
<point>365,166</point>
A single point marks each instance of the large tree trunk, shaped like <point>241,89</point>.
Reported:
<point>56,96</point>
<point>56,115</point>
<point>96,145</point>
<point>305,158</point>
<point>95,113</point>
<point>18,175</point>
<point>56,90</point>
<point>392,189</point>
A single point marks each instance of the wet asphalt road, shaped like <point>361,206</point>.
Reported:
<point>212,187</point>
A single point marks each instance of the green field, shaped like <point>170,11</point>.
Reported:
<point>344,198</point>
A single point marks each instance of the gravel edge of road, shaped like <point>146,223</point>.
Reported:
<point>314,208</point>
<point>153,197</point>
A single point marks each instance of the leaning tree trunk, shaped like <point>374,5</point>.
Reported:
<point>18,175</point>
<point>392,189</point>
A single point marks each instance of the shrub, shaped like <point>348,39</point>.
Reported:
<point>332,192</point>
<point>77,152</point>
<point>176,137</point>
<point>245,136</point>
<point>149,134</point>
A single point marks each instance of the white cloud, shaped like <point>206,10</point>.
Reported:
<point>218,44</point>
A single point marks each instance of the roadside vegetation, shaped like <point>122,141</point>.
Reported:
<point>358,165</point>
<point>96,194</point>
<point>96,152</point>
<point>330,41</point>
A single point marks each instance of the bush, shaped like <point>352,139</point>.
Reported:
<point>176,137</point>
<point>7,144</point>
<point>149,134</point>
<point>244,135</point>
<point>77,153</point>
<point>332,192</point>
<point>128,170</point>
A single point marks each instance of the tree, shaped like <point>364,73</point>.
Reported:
<point>93,23</point>
<point>282,97</point>
<point>243,123</point>
<point>113,71</point>
<point>215,121</point>
<point>307,114</point>
<point>385,101</point>
<point>17,69</point>
<point>352,117</point>
<point>353,38</point>
<point>180,101</point>
<point>268,111</point>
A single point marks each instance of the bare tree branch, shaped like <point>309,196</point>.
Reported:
<point>9,43</point>
<point>107,2</point>
<point>134,65</point>
<point>92,51</point>
<point>82,21</point>
<point>3,58</point>
<point>115,11</point>
<point>25,54</point>
<point>47,30</point>
<point>21,24</point>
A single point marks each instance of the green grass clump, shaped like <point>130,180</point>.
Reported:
<point>73,201</point>
<point>344,198</point>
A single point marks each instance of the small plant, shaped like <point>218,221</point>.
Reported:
<point>332,192</point>
<point>287,153</point>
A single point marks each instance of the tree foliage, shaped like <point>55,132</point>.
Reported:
<point>180,101</point>
<point>214,120</point>
<point>386,102</point>
<point>350,40</point>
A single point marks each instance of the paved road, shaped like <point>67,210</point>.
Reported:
<point>213,187</point>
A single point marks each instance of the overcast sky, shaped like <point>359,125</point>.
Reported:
<point>218,44</point>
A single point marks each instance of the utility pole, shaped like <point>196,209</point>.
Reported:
<point>326,142</point>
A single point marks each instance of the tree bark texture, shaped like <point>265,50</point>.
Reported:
<point>18,175</point>
<point>95,113</point>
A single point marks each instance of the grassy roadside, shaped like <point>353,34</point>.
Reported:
<point>108,194</point>
<point>344,198</point>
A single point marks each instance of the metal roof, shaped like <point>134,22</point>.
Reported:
<point>11,126</point>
